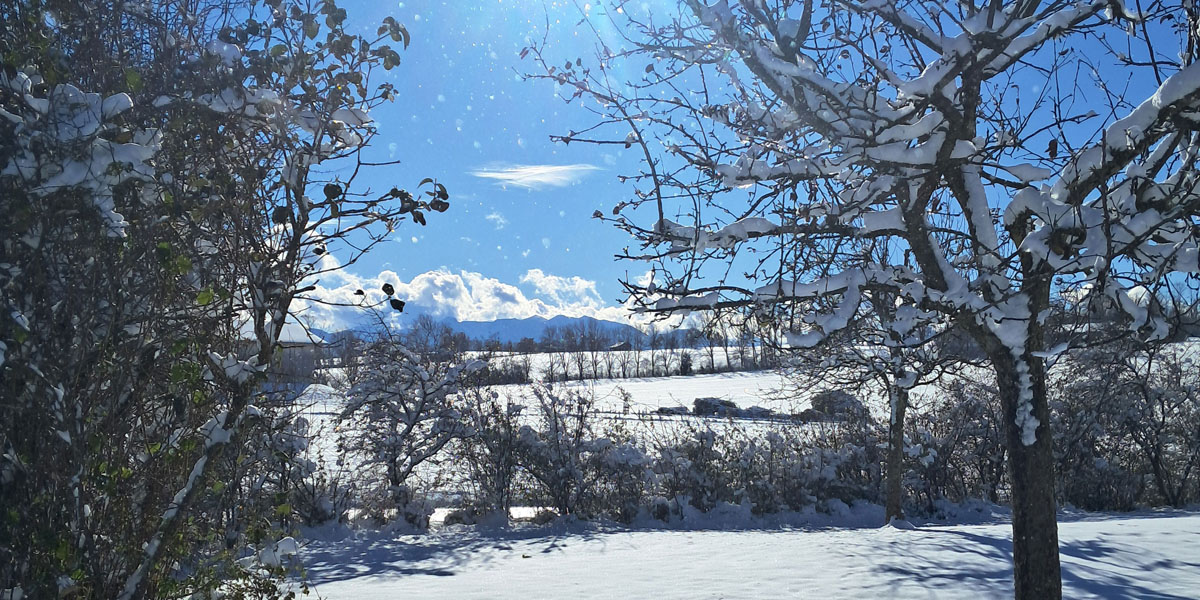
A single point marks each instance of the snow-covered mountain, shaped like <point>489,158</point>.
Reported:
<point>513,330</point>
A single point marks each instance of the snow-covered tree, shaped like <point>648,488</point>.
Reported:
<point>1004,150</point>
<point>157,174</point>
<point>867,355</point>
<point>402,411</point>
<point>1130,411</point>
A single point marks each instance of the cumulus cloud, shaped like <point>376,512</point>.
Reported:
<point>563,290</point>
<point>536,176</point>
<point>463,295</point>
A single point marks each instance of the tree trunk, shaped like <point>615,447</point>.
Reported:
<point>894,505</point>
<point>1036,571</point>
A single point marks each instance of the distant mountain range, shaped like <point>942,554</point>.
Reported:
<point>513,330</point>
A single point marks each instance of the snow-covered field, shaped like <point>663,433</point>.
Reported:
<point>731,555</point>
<point>1144,555</point>
<point>762,388</point>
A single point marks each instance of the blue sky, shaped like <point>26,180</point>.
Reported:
<point>519,239</point>
<point>521,206</point>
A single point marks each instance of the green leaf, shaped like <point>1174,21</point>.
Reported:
<point>283,510</point>
<point>180,372</point>
<point>278,50</point>
<point>311,29</point>
<point>181,265</point>
<point>133,80</point>
<point>205,297</point>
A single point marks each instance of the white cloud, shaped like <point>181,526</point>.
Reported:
<point>536,176</point>
<point>497,219</point>
<point>564,290</point>
<point>462,295</point>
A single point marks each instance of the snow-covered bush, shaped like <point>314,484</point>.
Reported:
<point>843,461</point>
<point>767,472</point>
<point>580,468</point>
<point>312,487</point>
<point>157,168</point>
<point>1163,421</point>
<point>557,449</point>
<point>624,475</point>
<point>690,466</point>
<point>487,452</point>
<point>325,495</point>
<point>401,411</point>
<point>1098,466</point>
<point>1128,426</point>
<point>771,467</point>
<point>955,449</point>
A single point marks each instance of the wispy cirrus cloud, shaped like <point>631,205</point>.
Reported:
<point>536,176</point>
<point>497,219</point>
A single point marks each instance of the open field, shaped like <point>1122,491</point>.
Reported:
<point>729,554</point>
<point>1144,555</point>
<point>746,389</point>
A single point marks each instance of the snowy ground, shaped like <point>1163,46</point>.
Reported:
<point>1152,555</point>
<point>1146,555</point>
<point>762,388</point>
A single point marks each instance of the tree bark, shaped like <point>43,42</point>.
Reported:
<point>894,504</point>
<point>1036,571</point>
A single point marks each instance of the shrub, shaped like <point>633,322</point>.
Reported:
<point>581,471</point>
<point>488,451</point>
<point>955,446</point>
<point>401,410</point>
<point>838,404</point>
